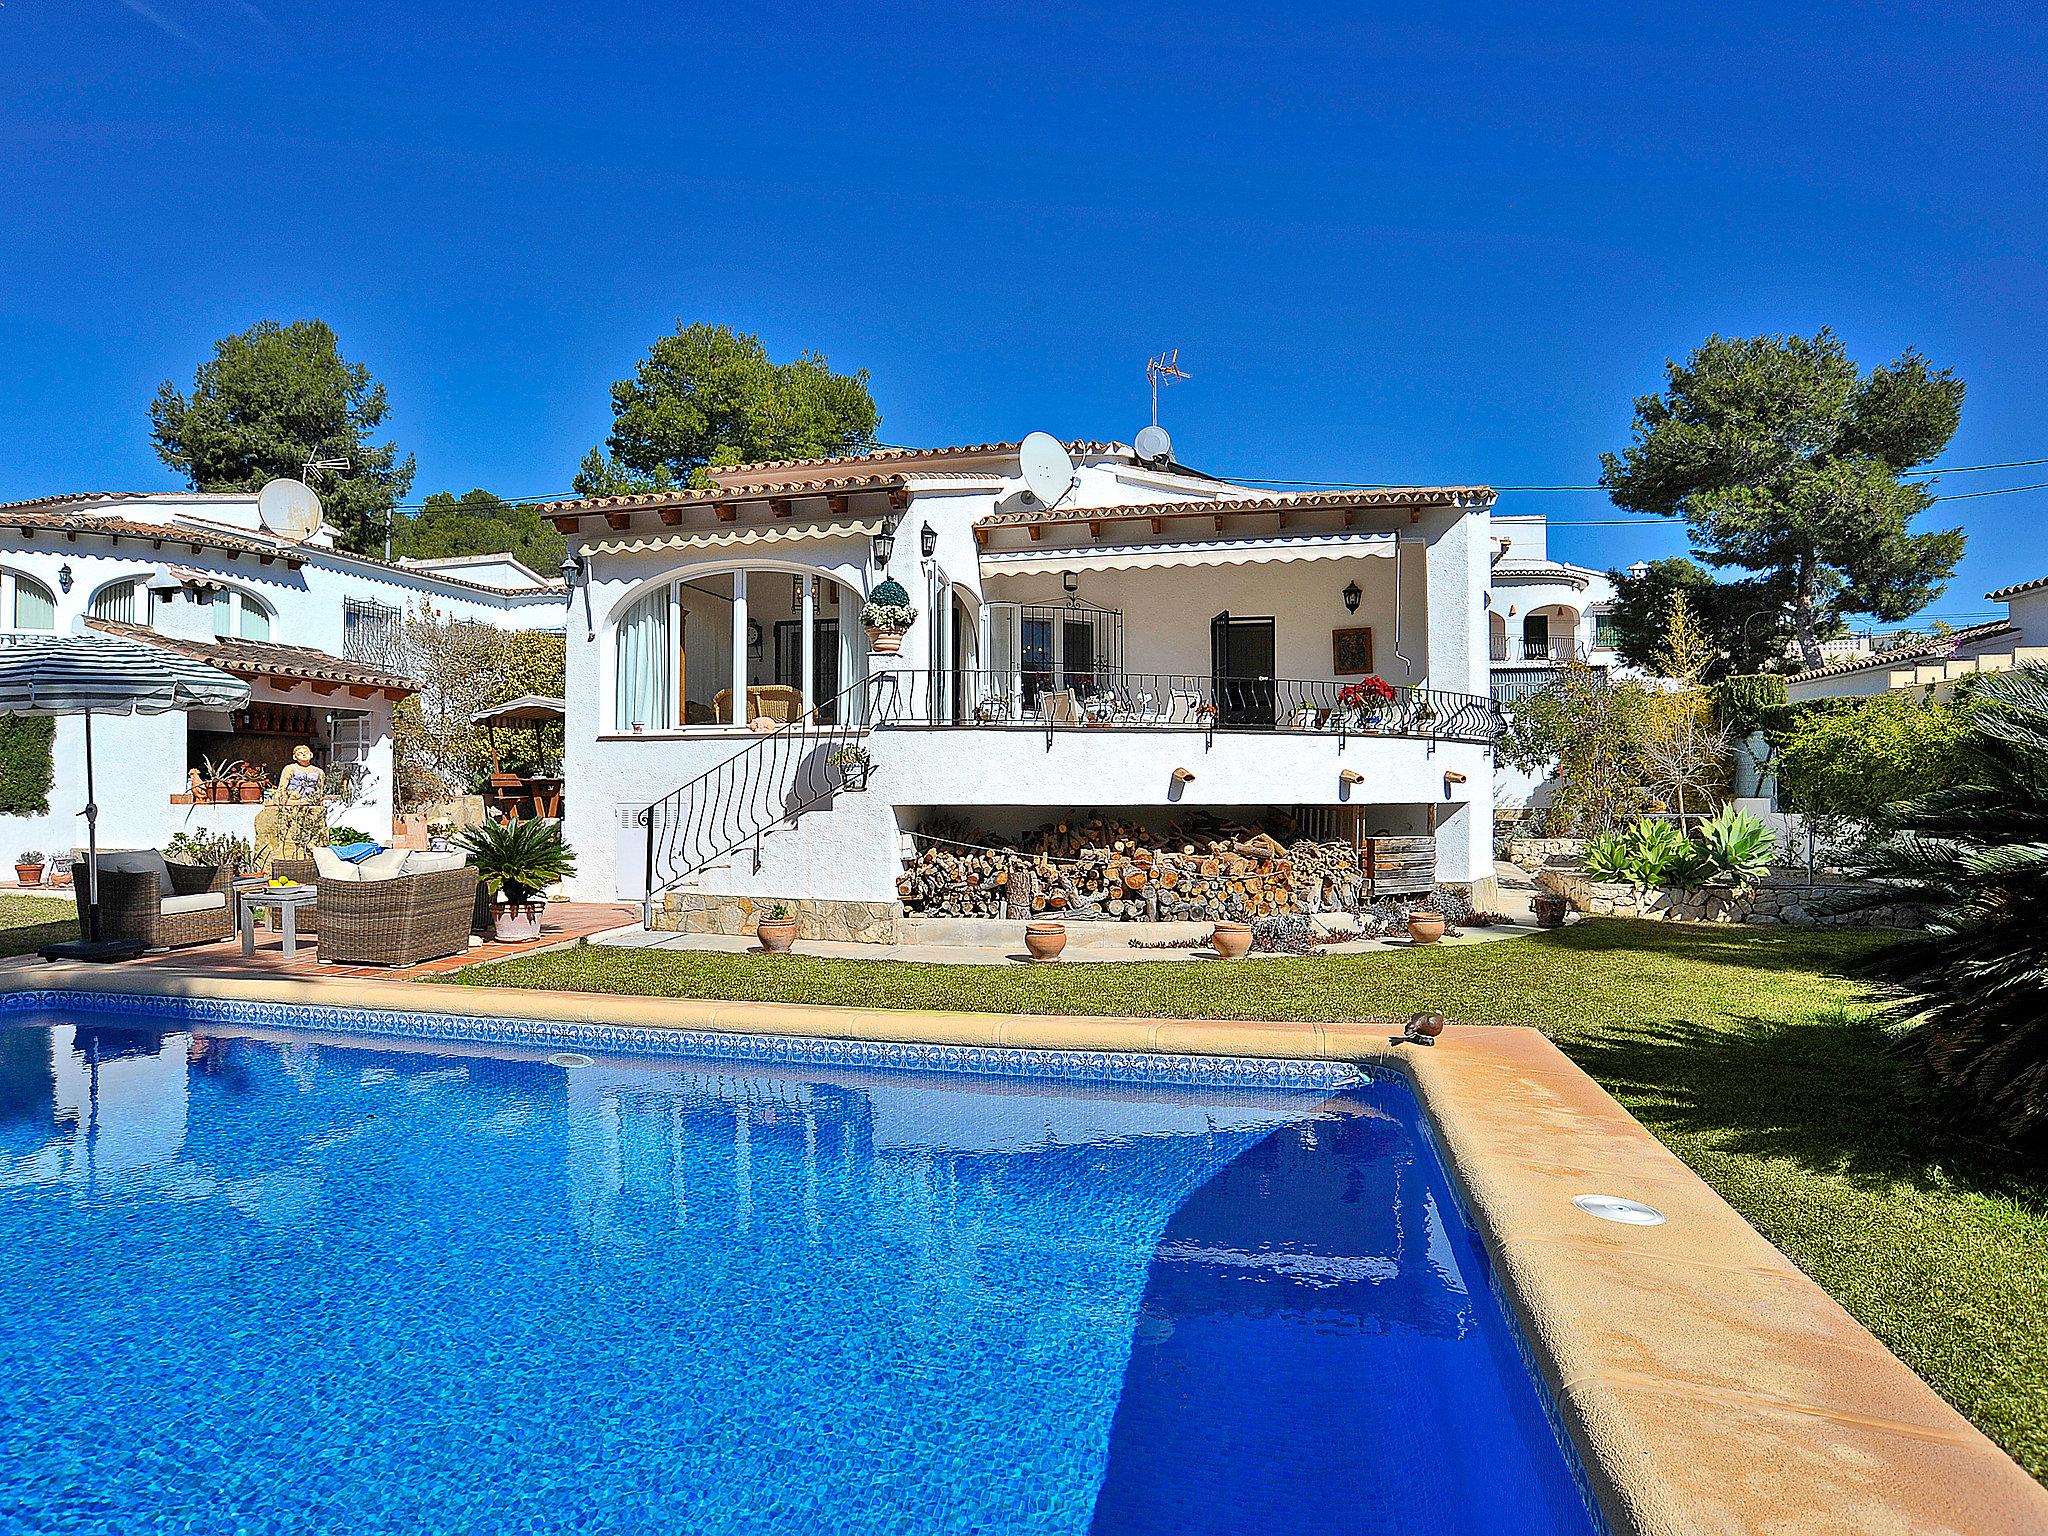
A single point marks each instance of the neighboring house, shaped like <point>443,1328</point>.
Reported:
<point>1934,667</point>
<point>314,629</point>
<point>1158,643</point>
<point>1542,613</point>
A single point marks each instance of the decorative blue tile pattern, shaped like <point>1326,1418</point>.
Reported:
<point>1152,1069</point>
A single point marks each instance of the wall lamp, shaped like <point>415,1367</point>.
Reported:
<point>885,545</point>
<point>1072,586</point>
<point>572,571</point>
<point>64,576</point>
<point>1351,597</point>
<point>927,541</point>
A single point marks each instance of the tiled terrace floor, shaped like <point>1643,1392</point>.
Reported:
<point>564,922</point>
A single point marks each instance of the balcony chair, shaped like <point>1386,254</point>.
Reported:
<point>144,899</point>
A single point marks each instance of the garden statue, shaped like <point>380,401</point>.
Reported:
<point>197,781</point>
<point>301,783</point>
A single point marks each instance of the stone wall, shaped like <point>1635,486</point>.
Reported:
<point>854,922</point>
<point>1783,900</point>
<point>1535,852</point>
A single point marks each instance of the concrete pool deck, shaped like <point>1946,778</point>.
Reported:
<point>1707,1384</point>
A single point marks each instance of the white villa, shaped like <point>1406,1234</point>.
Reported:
<point>1933,667</point>
<point>311,627</point>
<point>1158,642</point>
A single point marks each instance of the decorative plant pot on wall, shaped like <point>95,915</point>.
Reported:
<point>1231,941</point>
<point>777,934</point>
<point>885,642</point>
<point>1045,940</point>
<point>28,874</point>
<point>1549,909</point>
<point>1425,926</point>
<point>887,617</point>
<point>250,792</point>
<point>515,923</point>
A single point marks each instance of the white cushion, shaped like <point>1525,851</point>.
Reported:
<point>330,865</point>
<point>420,862</point>
<point>388,865</point>
<point>136,861</point>
<point>203,901</point>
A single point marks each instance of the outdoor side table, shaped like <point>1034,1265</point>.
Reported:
<point>287,899</point>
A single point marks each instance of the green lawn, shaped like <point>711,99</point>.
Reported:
<point>27,923</point>
<point>1751,1053</point>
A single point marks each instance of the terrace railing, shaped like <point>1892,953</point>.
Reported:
<point>780,775</point>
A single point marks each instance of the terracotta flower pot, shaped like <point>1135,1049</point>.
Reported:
<point>1425,927</point>
<point>515,924</point>
<point>1231,941</point>
<point>1045,940</point>
<point>28,874</point>
<point>1549,909</point>
<point>777,934</point>
<point>885,642</point>
<point>250,793</point>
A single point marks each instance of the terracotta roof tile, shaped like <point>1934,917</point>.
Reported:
<point>1322,501</point>
<point>263,658</point>
<point>706,496</point>
<point>154,533</point>
<point>2014,591</point>
<point>1907,654</point>
<point>908,455</point>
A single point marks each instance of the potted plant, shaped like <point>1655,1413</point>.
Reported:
<point>28,867</point>
<point>250,782</point>
<point>1425,926</point>
<point>1045,940</point>
<point>516,861</point>
<point>851,759</point>
<point>887,616</point>
<point>1549,909</point>
<point>1231,941</point>
<point>1362,705</point>
<point>215,784</point>
<point>438,833</point>
<point>777,930</point>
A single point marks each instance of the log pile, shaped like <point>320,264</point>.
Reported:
<point>1104,868</point>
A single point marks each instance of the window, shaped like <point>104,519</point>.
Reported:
<point>26,602</point>
<point>121,602</point>
<point>1606,632</point>
<point>238,616</point>
<point>644,694</point>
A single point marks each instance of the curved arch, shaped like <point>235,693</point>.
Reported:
<point>26,603</point>
<point>704,569</point>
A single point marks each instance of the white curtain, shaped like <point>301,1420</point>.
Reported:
<point>645,696</point>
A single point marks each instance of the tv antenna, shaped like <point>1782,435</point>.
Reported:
<point>314,467</point>
<point>1163,369</point>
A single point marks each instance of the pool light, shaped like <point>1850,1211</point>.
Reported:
<point>1630,1213</point>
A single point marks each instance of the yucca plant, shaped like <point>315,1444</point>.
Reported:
<point>1734,843</point>
<point>519,859</point>
<point>1974,856</point>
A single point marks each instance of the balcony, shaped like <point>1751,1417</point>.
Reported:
<point>1167,701</point>
<point>1519,651</point>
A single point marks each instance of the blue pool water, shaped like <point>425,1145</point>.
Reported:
<point>311,1284</point>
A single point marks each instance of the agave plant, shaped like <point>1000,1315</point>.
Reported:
<point>1974,856</point>
<point>519,859</point>
<point>1732,842</point>
<point>1607,857</point>
<point>1651,852</point>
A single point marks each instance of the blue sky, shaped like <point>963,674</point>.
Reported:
<point>1389,245</point>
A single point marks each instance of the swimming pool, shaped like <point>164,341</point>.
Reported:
<point>276,1280</point>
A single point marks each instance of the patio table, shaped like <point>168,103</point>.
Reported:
<point>287,899</point>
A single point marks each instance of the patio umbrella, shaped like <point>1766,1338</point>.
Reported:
<point>99,675</point>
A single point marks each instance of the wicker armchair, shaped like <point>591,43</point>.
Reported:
<point>132,904</point>
<point>400,921</point>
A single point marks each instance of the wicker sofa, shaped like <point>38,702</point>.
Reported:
<point>147,900</point>
<point>402,920</point>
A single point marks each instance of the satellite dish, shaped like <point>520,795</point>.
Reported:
<point>1048,469</point>
<point>1154,446</point>
<point>289,509</point>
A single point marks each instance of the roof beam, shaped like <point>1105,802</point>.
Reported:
<point>778,506</point>
<point>565,524</point>
<point>356,691</point>
<point>323,688</point>
<point>727,511</point>
<point>836,505</point>
<point>899,498</point>
<point>672,516</point>
<point>618,519</point>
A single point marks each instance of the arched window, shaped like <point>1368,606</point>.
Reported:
<point>26,603</point>
<point>123,602</point>
<point>238,616</point>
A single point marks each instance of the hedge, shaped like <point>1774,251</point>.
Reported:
<point>26,764</point>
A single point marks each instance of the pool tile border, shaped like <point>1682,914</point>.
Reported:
<point>1121,1068</point>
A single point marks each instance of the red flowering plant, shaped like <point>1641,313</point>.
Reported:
<point>1368,693</point>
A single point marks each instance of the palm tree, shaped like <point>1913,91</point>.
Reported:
<point>1974,855</point>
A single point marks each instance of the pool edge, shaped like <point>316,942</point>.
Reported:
<point>1707,1384</point>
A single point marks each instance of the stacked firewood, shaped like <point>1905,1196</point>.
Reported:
<point>1105,868</point>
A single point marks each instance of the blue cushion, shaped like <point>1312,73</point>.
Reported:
<point>355,853</point>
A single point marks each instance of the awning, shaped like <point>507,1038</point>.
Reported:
<point>729,538</point>
<point>527,709</point>
<point>1179,554</point>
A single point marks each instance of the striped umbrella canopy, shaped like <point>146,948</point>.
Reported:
<point>102,675</point>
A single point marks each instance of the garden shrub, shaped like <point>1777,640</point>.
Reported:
<point>27,764</point>
<point>1848,761</point>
